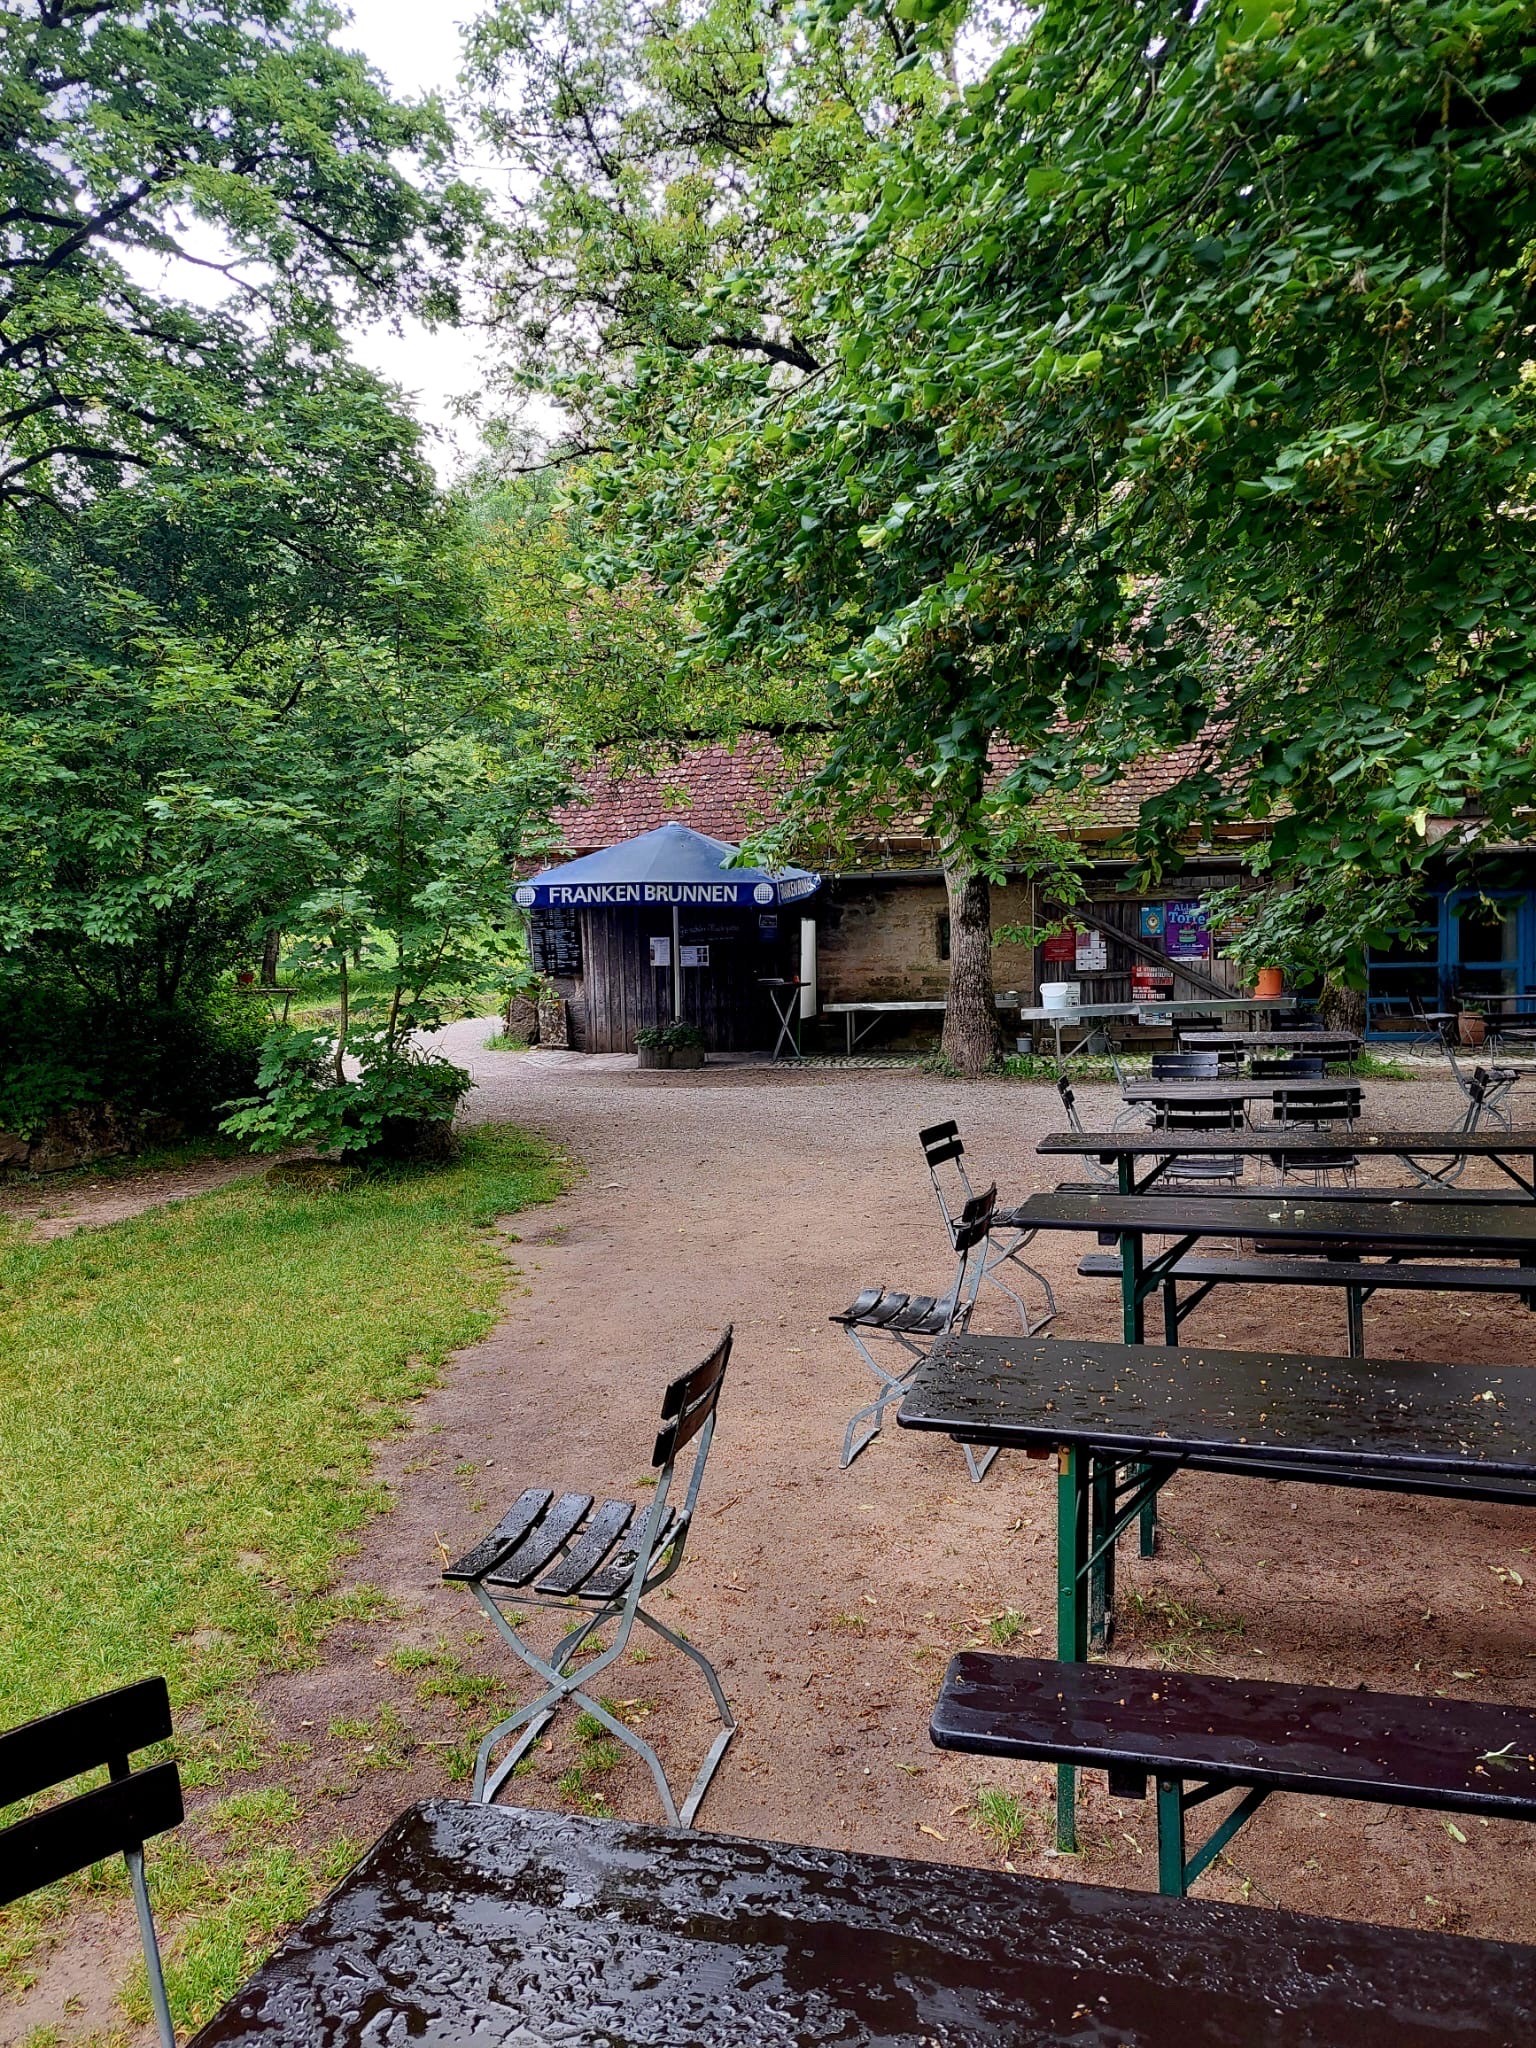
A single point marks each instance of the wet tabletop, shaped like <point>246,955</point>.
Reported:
<point>1470,1229</point>
<point>1220,1041</point>
<point>1146,1399</point>
<point>483,1927</point>
<point>1388,1144</point>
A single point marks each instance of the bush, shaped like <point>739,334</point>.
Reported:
<point>61,1050</point>
<point>400,1104</point>
<point>668,1037</point>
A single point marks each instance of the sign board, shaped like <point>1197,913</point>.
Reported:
<point>768,926</point>
<point>1060,950</point>
<point>693,956</point>
<point>1148,982</point>
<point>1091,954</point>
<point>743,895</point>
<point>1185,934</point>
<point>661,952</point>
<point>554,944</point>
<point>1153,920</point>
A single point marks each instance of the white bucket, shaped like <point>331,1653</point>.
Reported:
<point>1060,995</point>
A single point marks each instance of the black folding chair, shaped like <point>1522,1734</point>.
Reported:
<point>1096,1168</point>
<point>1199,1168</point>
<point>1299,1066</point>
<point>115,1819</point>
<point>1313,1112</point>
<point>549,1552</point>
<point>1186,1066</point>
<point>1493,1086</point>
<point>1476,1086</point>
<point>912,1321</point>
<point>943,1149</point>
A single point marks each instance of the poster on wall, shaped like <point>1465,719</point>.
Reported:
<point>1153,920</point>
<point>693,956</point>
<point>1148,983</point>
<point>1091,953</point>
<point>1060,949</point>
<point>661,952</point>
<point>1186,936</point>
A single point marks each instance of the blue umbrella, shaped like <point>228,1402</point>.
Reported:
<point>674,865</point>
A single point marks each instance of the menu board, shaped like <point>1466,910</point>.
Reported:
<point>554,943</point>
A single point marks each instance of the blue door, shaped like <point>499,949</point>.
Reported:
<point>1488,942</point>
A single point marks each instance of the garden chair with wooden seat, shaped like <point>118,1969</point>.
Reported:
<point>1297,1066</point>
<point>567,1553</point>
<point>944,1152</point>
<point>911,1322</point>
<point>1313,1113</point>
<point>115,1819</point>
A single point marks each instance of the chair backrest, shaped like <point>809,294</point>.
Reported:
<point>109,1821</point>
<point>1185,1066</point>
<point>1069,1102</point>
<point>1339,1105</point>
<point>688,1406</point>
<point>975,1220</point>
<point>1198,1116</point>
<point>943,1147</point>
<point>1299,1066</point>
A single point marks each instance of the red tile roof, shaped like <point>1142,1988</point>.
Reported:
<point>730,792</point>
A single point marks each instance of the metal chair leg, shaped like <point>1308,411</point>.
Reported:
<point>159,2003</point>
<point>979,1467</point>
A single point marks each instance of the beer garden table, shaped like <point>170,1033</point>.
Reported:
<point>1503,1149</point>
<point>503,1928</point>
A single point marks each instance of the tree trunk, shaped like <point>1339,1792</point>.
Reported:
<point>271,953</point>
<point>972,1039</point>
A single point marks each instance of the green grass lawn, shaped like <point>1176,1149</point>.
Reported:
<point>187,1404</point>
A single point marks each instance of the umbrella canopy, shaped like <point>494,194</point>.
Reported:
<point>672,865</point>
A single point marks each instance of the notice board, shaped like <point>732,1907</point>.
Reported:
<point>554,943</point>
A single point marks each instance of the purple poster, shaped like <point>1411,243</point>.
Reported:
<point>1185,936</point>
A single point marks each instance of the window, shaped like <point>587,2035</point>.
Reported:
<point>941,934</point>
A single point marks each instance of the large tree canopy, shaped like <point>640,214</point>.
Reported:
<point>232,139</point>
<point>1174,379</point>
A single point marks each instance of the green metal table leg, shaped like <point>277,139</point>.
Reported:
<point>1356,1312</point>
<point>1133,1312</point>
<point>1072,1536</point>
<point>1170,1838</point>
<point>1101,1573</point>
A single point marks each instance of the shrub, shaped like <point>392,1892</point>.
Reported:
<point>400,1103</point>
<point>668,1037</point>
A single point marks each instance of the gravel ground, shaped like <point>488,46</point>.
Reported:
<point>830,1600</point>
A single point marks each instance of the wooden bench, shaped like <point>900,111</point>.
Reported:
<point>1360,1282</point>
<point>1197,1737</point>
<point>503,1927</point>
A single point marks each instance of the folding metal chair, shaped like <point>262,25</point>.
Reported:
<point>1095,1168</point>
<point>557,1553</point>
<point>1186,1066</point>
<point>1475,1086</point>
<point>1200,1168</point>
<point>1316,1112</point>
<point>943,1147</point>
<point>116,1819</point>
<point>1495,1084</point>
<point>1299,1066</point>
<point>912,1321</point>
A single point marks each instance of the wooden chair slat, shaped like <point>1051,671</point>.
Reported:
<point>79,1832</point>
<point>589,1548</point>
<point>80,1738</point>
<point>692,1386</point>
<point>539,1547</point>
<point>507,1534</point>
<point>614,1576</point>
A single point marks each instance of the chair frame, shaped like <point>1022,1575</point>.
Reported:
<point>687,1413</point>
<point>943,1146</point>
<point>926,1316</point>
<point>114,1819</point>
<point>1313,1116</point>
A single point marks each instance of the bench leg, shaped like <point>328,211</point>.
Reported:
<point>1101,1573</point>
<point>1133,1308</point>
<point>1072,1538</point>
<point>1355,1312</point>
<point>1170,1838</point>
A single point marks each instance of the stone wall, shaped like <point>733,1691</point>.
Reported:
<point>879,941</point>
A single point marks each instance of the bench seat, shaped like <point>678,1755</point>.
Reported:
<point>1279,1271</point>
<point>1399,1749</point>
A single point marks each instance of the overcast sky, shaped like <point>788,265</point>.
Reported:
<point>415,43</point>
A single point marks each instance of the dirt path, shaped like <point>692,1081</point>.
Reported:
<point>830,1600</point>
<point>81,1201</point>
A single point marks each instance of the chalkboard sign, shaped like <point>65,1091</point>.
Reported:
<point>554,941</point>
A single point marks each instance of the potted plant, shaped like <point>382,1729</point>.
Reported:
<point>1471,1024</point>
<point>670,1045</point>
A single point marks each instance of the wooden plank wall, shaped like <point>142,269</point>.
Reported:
<point>620,992</point>
<point>1111,913</point>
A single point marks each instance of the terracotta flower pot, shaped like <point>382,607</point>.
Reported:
<point>1271,982</point>
<point>1471,1028</point>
